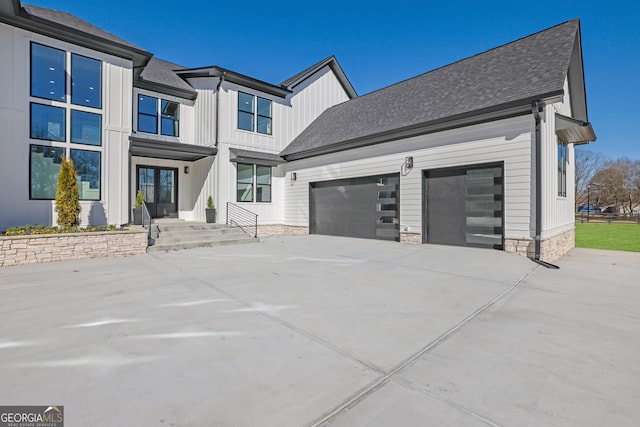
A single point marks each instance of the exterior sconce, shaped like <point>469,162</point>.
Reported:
<point>293,176</point>
<point>186,169</point>
<point>408,162</point>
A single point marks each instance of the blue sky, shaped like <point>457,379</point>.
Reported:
<point>379,44</point>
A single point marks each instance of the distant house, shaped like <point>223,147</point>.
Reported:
<point>476,153</point>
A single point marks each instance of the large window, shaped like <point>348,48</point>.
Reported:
<point>81,102</point>
<point>48,123</point>
<point>562,169</point>
<point>148,116</point>
<point>248,120</point>
<point>44,165</point>
<point>253,179</point>
<point>86,81</point>
<point>48,77</point>
<point>86,128</point>
<point>87,166</point>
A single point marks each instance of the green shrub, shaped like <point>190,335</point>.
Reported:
<point>68,196</point>
<point>210,204</point>
<point>139,199</point>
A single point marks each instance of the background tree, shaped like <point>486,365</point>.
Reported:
<point>588,164</point>
<point>68,196</point>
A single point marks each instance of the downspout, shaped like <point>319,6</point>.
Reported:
<point>218,109</point>
<point>536,108</point>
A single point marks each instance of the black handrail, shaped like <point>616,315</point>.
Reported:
<point>146,215</point>
<point>246,220</point>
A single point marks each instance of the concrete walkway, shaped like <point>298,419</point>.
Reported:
<point>318,330</point>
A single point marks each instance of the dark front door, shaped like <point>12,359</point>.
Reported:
<point>160,189</point>
<point>465,206</point>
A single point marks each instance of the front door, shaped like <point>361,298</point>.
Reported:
<point>159,187</point>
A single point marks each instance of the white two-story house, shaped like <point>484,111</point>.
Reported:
<point>476,153</point>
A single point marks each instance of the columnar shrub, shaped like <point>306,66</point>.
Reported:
<point>68,196</point>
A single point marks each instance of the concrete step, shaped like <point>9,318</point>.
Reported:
<point>188,226</point>
<point>165,246</point>
<point>199,234</point>
<point>186,235</point>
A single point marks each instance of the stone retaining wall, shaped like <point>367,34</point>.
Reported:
<point>16,250</point>
<point>272,230</point>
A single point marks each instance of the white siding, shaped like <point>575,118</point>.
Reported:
<point>557,212</point>
<point>16,208</point>
<point>508,141</point>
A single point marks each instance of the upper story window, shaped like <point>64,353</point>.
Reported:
<point>148,115</point>
<point>48,77</point>
<point>247,117</point>
<point>562,169</point>
<point>86,79</point>
<point>72,116</point>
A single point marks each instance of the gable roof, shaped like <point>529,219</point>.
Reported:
<point>64,26</point>
<point>333,64</point>
<point>498,80</point>
<point>160,76</point>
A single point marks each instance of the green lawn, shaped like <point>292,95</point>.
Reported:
<point>615,237</point>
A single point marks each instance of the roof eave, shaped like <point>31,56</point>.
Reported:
<point>504,111</point>
<point>237,78</point>
<point>166,89</point>
<point>32,23</point>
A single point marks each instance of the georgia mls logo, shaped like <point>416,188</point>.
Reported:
<point>32,416</point>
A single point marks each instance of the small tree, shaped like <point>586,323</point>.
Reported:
<point>210,204</point>
<point>68,195</point>
<point>139,199</point>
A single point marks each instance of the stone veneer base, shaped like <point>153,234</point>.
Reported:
<point>551,249</point>
<point>17,250</point>
<point>272,230</point>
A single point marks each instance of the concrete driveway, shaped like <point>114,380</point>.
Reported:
<point>318,330</point>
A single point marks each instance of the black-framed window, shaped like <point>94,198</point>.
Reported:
<point>170,123</point>
<point>86,128</point>
<point>264,116</point>
<point>244,182</point>
<point>245,111</point>
<point>147,114</point>
<point>253,179</point>
<point>48,123</point>
<point>86,81</point>
<point>263,183</point>
<point>44,167</point>
<point>48,77</point>
<point>562,169</point>
<point>87,165</point>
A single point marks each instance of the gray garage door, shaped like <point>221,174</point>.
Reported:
<point>465,206</point>
<point>366,207</point>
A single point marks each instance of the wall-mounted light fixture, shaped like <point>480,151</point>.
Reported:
<point>186,169</point>
<point>408,162</point>
<point>293,176</point>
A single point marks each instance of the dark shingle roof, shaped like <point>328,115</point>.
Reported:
<point>68,20</point>
<point>162,72</point>
<point>534,66</point>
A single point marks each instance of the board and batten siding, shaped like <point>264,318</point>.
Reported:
<point>507,141</point>
<point>558,213</point>
<point>117,76</point>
